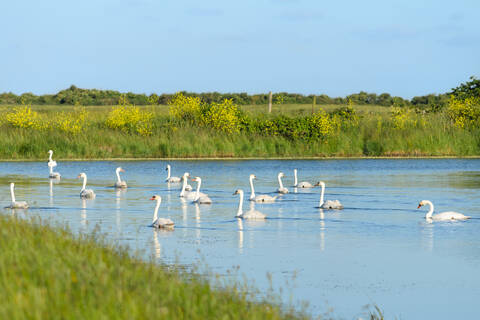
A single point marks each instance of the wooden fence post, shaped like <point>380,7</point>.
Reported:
<point>270,102</point>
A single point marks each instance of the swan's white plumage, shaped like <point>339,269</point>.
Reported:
<point>303,184</point>
<point>160,223</point>
<point>263,198</point>
<point>281,189</point>
<point>329,204</point>
<point>251,214</point>
<point>120,184</point>
<point>171,179</point>
<point>84,192</point>
<point>444,216</point>
<point>199,197</point>
<point>16,204</point>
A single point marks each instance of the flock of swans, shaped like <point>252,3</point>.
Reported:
<point>187,193</point>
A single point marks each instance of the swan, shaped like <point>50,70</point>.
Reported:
<point>171,179</point>
<point>160,223</point>
<point>329,204</point>
<point>16,204</point>
<point>52,174</point>
<point>85,193</point>
<point>119,183</point>
<point>261,198</point>
<point>449,215</point>
<point>201,198</point>
<point>51,162</point>
<point>304,184</point>
<point>281,188</point>
<point>186,188</point>
<point>251,214</point>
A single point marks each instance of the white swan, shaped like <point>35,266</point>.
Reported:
<point>85,193</point>
<point>281,188</point>
<point>119,183</point>
<point>52,174</point>
<point>449,215</point>
<point>304,184</point>
<point>171,179</point>
<point>51,162</point>
<point>186,188</point>
<point>251,214</point>
<point>160,223</point>
<point>16,204</point>
<point>329,204</point>
<point>201,198</point>
<point>260,198</point>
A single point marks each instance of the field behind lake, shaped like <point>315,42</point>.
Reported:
<point>348,131</point>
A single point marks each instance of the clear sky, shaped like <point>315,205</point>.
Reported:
<point>405,48</point>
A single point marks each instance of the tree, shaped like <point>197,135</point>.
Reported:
<point>467,90</point>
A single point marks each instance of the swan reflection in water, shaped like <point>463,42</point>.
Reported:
<point>250,224</point>
<point>322,230</point>
<point>157,249</point>
<point>83,215</point>
<point>428,235</point>
<point>119,193</point>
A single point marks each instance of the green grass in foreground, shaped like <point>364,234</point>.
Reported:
<point>47,273</point>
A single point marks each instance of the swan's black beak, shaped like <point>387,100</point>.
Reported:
<point>419,206</point>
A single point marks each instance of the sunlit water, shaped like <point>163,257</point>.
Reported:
<point>379,249</point>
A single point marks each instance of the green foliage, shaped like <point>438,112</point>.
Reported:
<point>403,118</point>
<point>49,273</point>
<point>470,89</point>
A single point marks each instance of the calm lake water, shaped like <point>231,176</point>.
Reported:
<point>379,249</point>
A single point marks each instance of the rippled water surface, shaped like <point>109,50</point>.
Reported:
<point>379,249</point>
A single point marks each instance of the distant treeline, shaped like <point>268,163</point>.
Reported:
<point>74,95</point>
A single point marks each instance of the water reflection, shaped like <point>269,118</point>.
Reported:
<point>83,215</point>
<point>240,235</point>
<point>156,244</point>
<point>427,234</point>
<point>322,230</point>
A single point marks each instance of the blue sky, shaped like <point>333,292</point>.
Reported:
<point>405,48</point>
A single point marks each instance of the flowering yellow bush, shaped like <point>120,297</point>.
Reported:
<point>323,125</point>
<point>72,123</point>
<point>130,119</point>
<point>403,118</point>
<point>223,116</point>
<point>23,117</point>
<point>464,113</point>
<point>185,108</point>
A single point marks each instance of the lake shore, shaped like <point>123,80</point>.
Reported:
<point>48,272</point>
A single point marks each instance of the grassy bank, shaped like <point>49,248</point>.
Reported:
<point>376,131</point>
<point>47,273</point>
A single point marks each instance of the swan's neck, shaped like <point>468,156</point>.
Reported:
<point>430,212</point>
<point>12,193</point>
<point>184,185</point>
<point>295,181</point>
<point>252,190</point>
<point>50,156</point>
<point>197,195</point>
<point>168,172</point>
<point>118,176</point>
<point>280,182</point>
<point>321,195</point>
<point>84,183</point>
<point>155,212</point>
<point>240,205</point>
